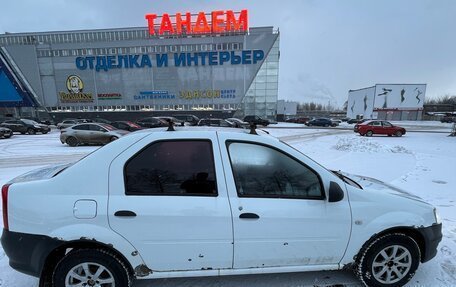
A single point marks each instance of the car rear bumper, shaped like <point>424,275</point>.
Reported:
<point>27,252</point>
<point>432,236</point>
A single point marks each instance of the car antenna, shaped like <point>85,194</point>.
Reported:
<point>170,126</point>
<point>253,128</point>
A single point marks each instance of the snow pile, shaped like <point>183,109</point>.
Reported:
<point>366,145</point>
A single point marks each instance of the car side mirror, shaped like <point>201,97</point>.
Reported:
<point>335,192</point>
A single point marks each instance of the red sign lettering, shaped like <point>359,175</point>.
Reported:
<point>220,22</point>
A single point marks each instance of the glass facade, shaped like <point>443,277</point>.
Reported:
<point>262,95</point>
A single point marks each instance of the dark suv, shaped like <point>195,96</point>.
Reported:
<point>321,122</point>
<point>24,126</point>
<point>256,120</point>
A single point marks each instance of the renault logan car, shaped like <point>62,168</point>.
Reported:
<point>206,202</point>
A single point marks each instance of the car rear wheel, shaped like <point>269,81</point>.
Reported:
<point>398,133</point>
<point>86,267</point>
<point>369,133</point>
<point>72,141</point>
<point>31,131</point>
<point>390,260</point>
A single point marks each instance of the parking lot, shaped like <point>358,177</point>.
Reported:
<point>420,162</point>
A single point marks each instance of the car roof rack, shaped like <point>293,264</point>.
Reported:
<point>253,127</point>
<point>170,125</point>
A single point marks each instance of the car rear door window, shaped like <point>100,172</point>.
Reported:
<point>262,171</point>
<point>181,167</point>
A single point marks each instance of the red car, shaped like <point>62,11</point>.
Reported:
<point>370,128</point>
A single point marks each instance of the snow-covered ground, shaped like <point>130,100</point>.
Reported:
<point>420,162</point>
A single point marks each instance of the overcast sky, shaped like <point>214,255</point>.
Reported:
<point>327,47</point>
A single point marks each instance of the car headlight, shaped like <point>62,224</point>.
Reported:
<point>438,220</point>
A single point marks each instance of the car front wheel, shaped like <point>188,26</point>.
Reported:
<point>390,260</point>
<point>398,133</point>
<point>86,267</point>
<point>369,133</point>
<point>31,131</point>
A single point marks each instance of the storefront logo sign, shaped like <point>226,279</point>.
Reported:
<point>154,95</point>
<point>201,23</point>
<point>75,86</point>
<point>207,94</point>
<point>112,96</point>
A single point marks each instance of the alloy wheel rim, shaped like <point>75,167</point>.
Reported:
<point>89,274</point>
<point>391,264</point>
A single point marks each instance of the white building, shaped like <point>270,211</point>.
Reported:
<point>387,102</point>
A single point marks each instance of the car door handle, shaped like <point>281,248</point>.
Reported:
<point>249,216</point>
<point>125,213</point>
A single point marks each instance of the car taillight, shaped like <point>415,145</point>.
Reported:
<point>5,205</point>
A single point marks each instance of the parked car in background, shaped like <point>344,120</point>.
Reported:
<point>256,120</point>
<point>448,119</point>
<point>151,122</point>
<point>321,122</point>
<point>24,126</point>
<point>376,127</point>
<point>90,133</point>
<point>126,125</point>
<point>70,122</point>
<point>215,123</point>
<point>344,119</point>
<point>201,202</point>
<point>5,132</point>
<point>44,121</point>
<point>238,123</point>
<point>176,122</point>
<point>298,120</point>
<point>191,120</point>
<point>101,120</point>
<point>356,121</point>
<point>337,121</point>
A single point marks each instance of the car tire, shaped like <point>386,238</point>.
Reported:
<point>86,264</point>
<point>361,134</point>
<point>398,133</point>
<point>390,260</point>
<point>72,141</point>
<point>44,133</point>
<point>113,139</point>
<point>31,131</point>
<point>369,133</point>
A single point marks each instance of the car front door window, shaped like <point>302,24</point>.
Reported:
<point>261,171</point>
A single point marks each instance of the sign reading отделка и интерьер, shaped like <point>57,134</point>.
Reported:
<point>105,63</point>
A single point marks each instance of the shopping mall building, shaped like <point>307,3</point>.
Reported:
<point>192,63</point>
